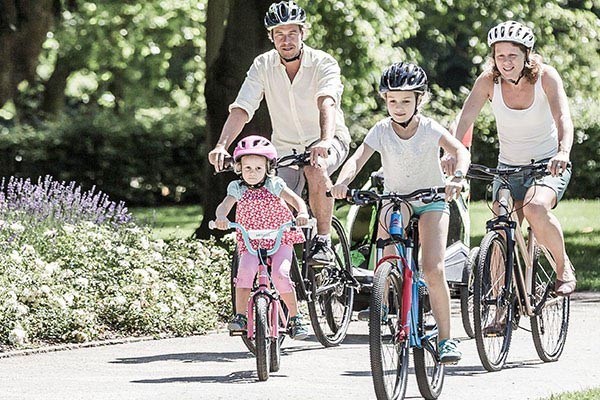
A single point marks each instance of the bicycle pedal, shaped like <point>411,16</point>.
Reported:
<point>238,333</point>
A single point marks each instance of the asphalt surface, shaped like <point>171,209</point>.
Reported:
<point>216,366</point>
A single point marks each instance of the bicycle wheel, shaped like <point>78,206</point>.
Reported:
<point>466,292</point>
<point>262,337</point>
<point>388,352</point>
<point>249,343</point>
<point>428,369</point>
<point>493,309</point>
<point>332,292</point>
<point>550,324</point>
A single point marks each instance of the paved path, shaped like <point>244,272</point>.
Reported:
<point>218,367</point>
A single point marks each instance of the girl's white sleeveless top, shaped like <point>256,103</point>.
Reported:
<point>525,134</point>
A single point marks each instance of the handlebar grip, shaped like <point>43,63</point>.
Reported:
<point>212,225</point>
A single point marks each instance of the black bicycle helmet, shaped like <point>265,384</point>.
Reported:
<point>284,13</point>
<point>403,76</point>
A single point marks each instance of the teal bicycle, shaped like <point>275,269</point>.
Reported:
<point>400,313</point>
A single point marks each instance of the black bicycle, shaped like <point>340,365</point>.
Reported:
<point>515,277</point>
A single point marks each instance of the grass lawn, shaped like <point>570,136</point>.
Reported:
<point>170,222</point>
<point>580,220</point>
<point>591,394</point>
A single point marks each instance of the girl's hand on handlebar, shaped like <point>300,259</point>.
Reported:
<point>448,162</point>
<point>222,223</point>
<point>339,191</point>
<point>453,189</point>
<point>302,219</point>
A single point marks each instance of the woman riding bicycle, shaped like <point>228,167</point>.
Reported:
<point>533,123</point>
<point>409,145</point>
<point>261,204</point>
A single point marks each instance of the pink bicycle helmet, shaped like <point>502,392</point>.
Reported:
<point>255,145</point>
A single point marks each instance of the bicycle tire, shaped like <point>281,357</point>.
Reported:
<point>428,368</point>
<point>262,337</point>
<point>249,343</point>
<point>275,354</point>
<point>466,292</point>
<point>389,357</point>
<point>330,307</point>
<point>277,343</point>
<point>490,303</point>
<point>550,325</point>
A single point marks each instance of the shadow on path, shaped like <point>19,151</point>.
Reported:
<point>186,357</point>
<point>240,377</point>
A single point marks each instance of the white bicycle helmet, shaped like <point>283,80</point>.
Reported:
<point>511,31</point>
<point>284,13</point>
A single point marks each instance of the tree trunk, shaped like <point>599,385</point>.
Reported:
<point>23,28</point>
<point>241,40</point>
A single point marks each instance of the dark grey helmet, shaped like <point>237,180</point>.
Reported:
<point>284,13</point>
<point>403,76</point>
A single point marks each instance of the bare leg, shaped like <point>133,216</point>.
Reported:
<point>241,300</point>
<point>548,231</point>
<point>433,228</point>
<point>290,301</point>
<point>321,206</point>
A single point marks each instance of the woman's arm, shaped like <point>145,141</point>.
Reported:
<point>351,167</point>
<point>559,106</point>
<point>482,91</point>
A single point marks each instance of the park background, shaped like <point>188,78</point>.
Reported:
<point>128,97</point>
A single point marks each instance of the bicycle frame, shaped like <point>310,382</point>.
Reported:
<point>407,247</point>
<point>412,280</point>
<point>520,276</point>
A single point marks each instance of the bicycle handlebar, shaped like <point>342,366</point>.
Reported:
<point>252,234</point>
<point>300,159</point>
<point>364,197</point>
<point>478,171</point>
<point>248,235</point>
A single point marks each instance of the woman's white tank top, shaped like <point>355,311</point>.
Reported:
<point>528,134</point>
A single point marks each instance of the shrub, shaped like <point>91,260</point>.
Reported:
<point>147,159</point>
<point>98,275</point>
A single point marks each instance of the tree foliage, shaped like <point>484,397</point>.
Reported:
<point>162,57</point>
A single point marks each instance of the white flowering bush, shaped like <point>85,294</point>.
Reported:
<point>96,275</point>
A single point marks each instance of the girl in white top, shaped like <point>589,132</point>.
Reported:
<point>533,121</point>
<point>409,144</point>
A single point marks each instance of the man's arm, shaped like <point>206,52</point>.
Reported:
<point>233,126</point>
<point>327,111</point>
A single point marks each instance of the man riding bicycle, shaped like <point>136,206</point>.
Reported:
<point>302,87</point>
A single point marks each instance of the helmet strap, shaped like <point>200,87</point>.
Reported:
<point>256,186</point>
<point>516,82</point>
<point>406,123</point>
<point>296,57</point>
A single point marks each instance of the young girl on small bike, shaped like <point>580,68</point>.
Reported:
<point>409,144</point>
<point>261,204</point>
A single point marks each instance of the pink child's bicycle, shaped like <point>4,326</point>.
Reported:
<point>267,315</point>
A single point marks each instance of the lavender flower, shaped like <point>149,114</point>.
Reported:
<point>50,203</point>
